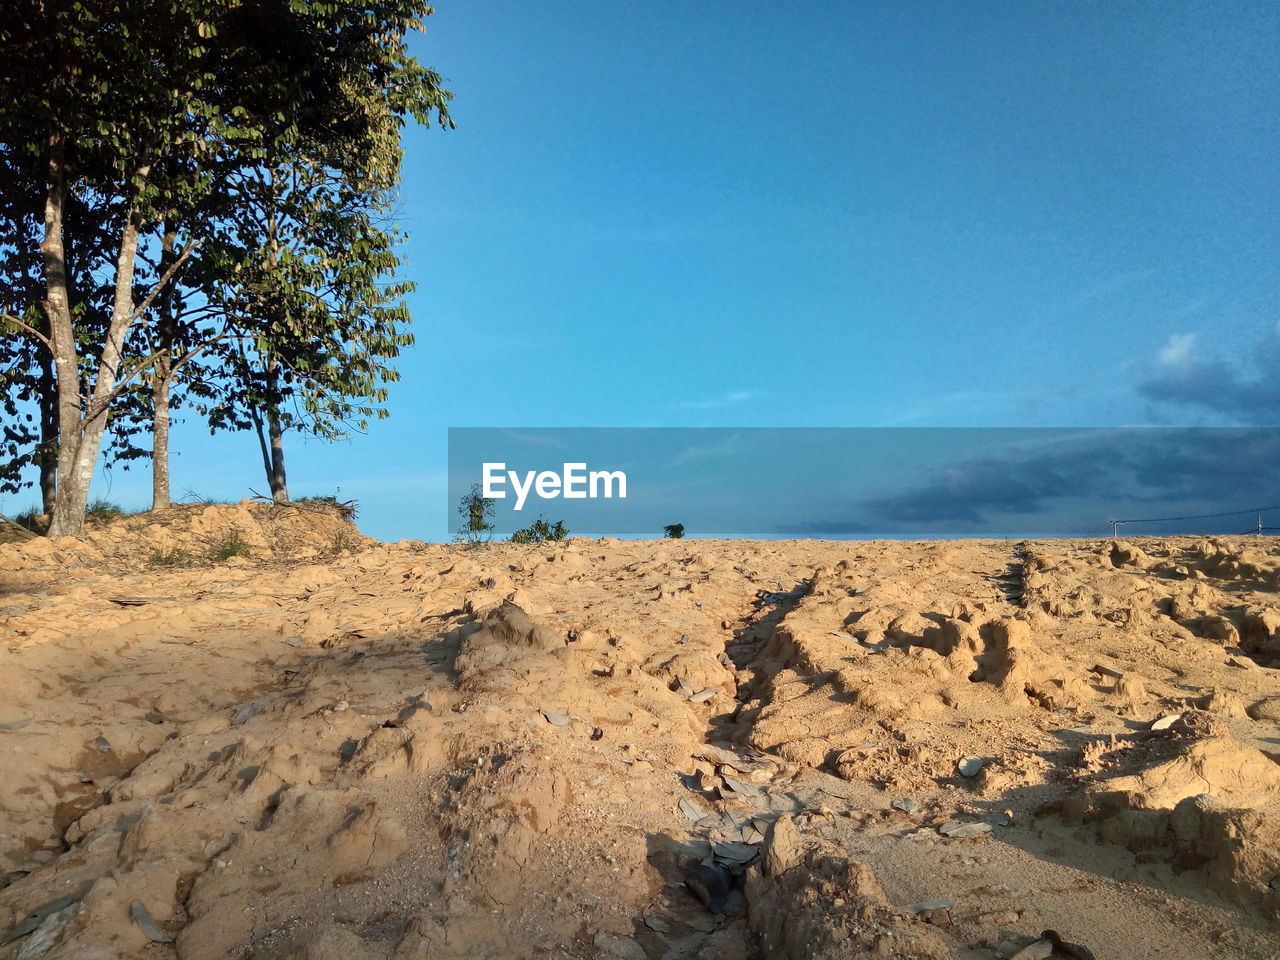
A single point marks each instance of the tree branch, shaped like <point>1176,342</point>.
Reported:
<point>164,279</point>
<point>141,365</point>
<point>9,318</point>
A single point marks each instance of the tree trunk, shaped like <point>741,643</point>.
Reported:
<point>81,440</point>
<point>276,477</point>
<point>160,436</point>
<point>57,307</point>
<point>161,379</point>
<point>275,461</point>
<point>271,439</point>
<point>47,458</point>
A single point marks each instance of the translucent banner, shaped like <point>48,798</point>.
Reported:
<point>864,483</point>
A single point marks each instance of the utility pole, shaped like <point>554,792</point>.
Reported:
<point>1115,528</point>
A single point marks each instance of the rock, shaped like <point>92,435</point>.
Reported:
<point>1220,629</point>
<point>970,766</point>
<point>147,924</point>
<point>556,719</point>
<point>928,905</point>
<point>961,831</point>
<point>735,852</point>
<point>1165,722</point>
<point>366,842</point>
<point>48,932</point>
<point>1039,950</point>
<point>1127,555</point>
<point>36,918</point>
<point>1187,817</point>
<point>1262,632</point>
<point>692,810</point>
<point>1222,703</point>
<point>1072,950</point>
<point>782,849</point>
<point>1267,709</point>
<point>906,805</point>
<point>741,788</point>
<point>246,711</point>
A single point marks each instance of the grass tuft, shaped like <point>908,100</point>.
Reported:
<point>173,557</point>
<point>102,509</point>
<point>232,545</point>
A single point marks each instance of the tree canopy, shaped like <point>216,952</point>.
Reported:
<point>194,193</point>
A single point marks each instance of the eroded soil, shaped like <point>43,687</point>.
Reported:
<point>852,749</point>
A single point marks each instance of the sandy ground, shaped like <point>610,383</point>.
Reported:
<point>326,748</point>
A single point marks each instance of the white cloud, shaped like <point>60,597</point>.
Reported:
<point>728,399</point>
<point>1177,353</point>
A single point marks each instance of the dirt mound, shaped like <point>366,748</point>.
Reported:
<point>194,534</point>
<point>815,904</point>
<point>1194,795</point>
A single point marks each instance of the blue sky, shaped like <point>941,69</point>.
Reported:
<point>820,214</point>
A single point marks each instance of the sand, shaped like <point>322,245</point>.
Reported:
<point>327,747</point>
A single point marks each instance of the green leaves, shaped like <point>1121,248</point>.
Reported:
<point>268,130</point>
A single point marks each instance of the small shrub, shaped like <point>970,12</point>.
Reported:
<point>102,509</point>
<point>173,557</point>
<point>32,519</point>
<point>540,532</point>
<point>232,545</point>
<point>674,531</point>
<point>342,542</point>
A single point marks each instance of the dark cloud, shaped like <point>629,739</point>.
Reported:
<point>1189,379</point>
<point>1050,485</point>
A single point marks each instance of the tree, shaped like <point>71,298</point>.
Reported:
<point>477,515</point>
<point>674,531</point>
<point>314,296</point>
<point>138,113</point>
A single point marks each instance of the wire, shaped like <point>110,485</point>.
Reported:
<point>1202,516</point>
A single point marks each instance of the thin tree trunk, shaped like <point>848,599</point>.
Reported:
<point>48,455</point>
<point>161,380</point>
<point>160,436</point>
<point>274,461</point>
<point>279,484</point>
<point>271,444</point>
<point>271,439</point>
